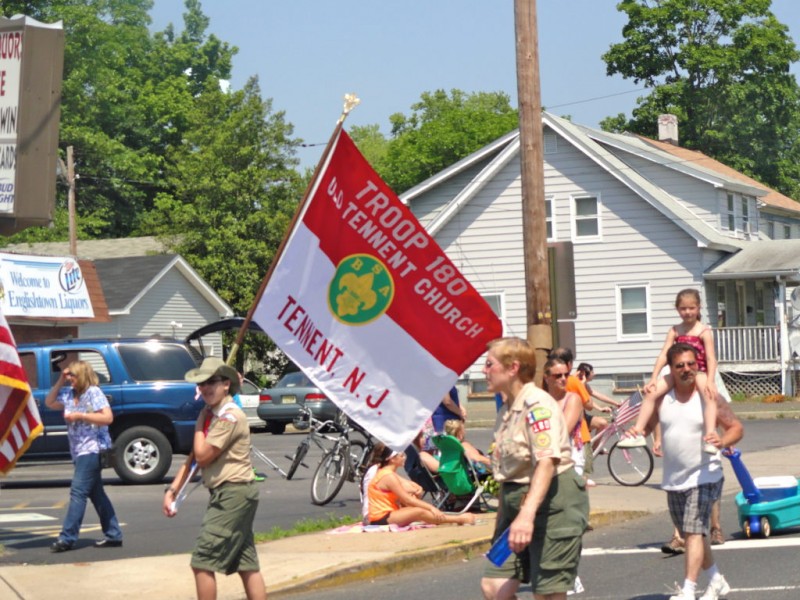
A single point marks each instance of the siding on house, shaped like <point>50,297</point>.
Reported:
<point>485,241</point>
<point>172,298</point>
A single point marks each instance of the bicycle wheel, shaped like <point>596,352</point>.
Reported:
<point>359,455</point>
<point>630,466</point>
<point>330,475</point>
<point>299,455</point>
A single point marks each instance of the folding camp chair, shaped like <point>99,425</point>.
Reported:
<point>429,482</point>
<point>457,473</point>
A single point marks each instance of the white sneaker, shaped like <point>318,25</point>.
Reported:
<point>681,594</point>
<point>636,441</point>
<point>716,589</point>
<point>710,449</point>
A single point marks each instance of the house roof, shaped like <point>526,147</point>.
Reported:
<point>92,249</point>
<point>590,142</point>
<point>766,259</point>
<point>770,197</point>
<point>126,280</point>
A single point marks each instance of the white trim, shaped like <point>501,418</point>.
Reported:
<point>622,337</point>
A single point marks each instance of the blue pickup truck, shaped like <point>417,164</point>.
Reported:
<point>154,408</point>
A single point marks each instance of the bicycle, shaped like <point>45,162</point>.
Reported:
<point>628,466</point>
<point>316,434</point>
<point>347,460</point>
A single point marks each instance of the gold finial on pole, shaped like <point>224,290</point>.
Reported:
<point>350,102</point>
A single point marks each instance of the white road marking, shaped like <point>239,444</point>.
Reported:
<point>21,517</point>
<point>754,544</point>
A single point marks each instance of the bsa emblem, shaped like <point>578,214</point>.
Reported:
<point>362,289</point>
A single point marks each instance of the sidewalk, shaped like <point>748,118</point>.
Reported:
<point>324,559</point>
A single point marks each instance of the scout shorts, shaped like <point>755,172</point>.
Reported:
<point>225,544</point>
<point>517,566</point>
<point>558,535</point>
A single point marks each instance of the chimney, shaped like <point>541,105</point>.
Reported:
<point>668,129</point>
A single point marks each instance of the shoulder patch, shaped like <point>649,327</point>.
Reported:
<point>539,419</point>
<point>227,417</point>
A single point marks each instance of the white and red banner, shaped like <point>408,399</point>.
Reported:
<point>369,306</point>
<point>19,418</point>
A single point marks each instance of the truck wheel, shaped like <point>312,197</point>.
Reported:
<point>142,455</point>
<point>276,428</point>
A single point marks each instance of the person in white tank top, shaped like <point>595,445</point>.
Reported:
<point>691,478</point>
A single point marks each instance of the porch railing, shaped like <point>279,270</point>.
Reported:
<point>747,344</point>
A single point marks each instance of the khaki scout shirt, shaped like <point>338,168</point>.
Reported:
<point>230,432</point>
<point>532,429</point>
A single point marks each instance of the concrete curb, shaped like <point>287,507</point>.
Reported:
<point>442,554</point>
<point>376,568</point>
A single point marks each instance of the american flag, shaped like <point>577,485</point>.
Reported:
<point>19,418</point>
<point>629,409</point>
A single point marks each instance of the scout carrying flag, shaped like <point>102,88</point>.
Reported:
<point>368,305</point>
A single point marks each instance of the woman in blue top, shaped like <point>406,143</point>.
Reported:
<point>449,408</point>
<point>88,415</point>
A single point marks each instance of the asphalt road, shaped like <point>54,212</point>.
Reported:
<point>618,563</point>
<point>33,501</point>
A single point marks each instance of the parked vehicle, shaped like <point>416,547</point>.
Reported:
<point>280,405</point>
<point>249,395</point>
<point>155,410</point>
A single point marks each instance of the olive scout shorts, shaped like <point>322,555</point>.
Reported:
<point>225,544</point>
<point>551,560</point>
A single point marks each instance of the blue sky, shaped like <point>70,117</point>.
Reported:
<point>308,53</point>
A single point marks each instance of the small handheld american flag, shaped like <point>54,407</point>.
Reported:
<point>629,409</point>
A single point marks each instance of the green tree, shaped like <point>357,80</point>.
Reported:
<point>125,98</point>
<point>441,130</point>
<point>721,66</point>
<point>371,143</point>
<point>233,187</point>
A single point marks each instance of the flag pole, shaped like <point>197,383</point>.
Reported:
<point>350,102</point>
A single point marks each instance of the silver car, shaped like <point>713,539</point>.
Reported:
<point>248,396</point>
<point>279,405</point>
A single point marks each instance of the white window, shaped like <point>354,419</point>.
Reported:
<point>633,311</point>
<point>745,214</point>
<point>752,215</point>
<point>549,220</point>
<point>787,232</point>
<point>730,215</point>
<point>586,222</point>
<point>771,230</point>
<point>628,382</point>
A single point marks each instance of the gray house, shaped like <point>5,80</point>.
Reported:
<point>645,219</point>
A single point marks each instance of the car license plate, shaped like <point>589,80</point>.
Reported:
<point>288,399</point>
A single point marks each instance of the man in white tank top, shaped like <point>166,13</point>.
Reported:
<point>692,478</point>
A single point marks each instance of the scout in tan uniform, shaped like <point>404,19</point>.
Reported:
<point>222,449</point>
<point>539,488</point>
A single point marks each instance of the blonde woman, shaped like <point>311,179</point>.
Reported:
<point>88,415</point>
<point>539,488</point>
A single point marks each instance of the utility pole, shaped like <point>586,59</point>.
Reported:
<point>534,229</point>
<point>73,237</point>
